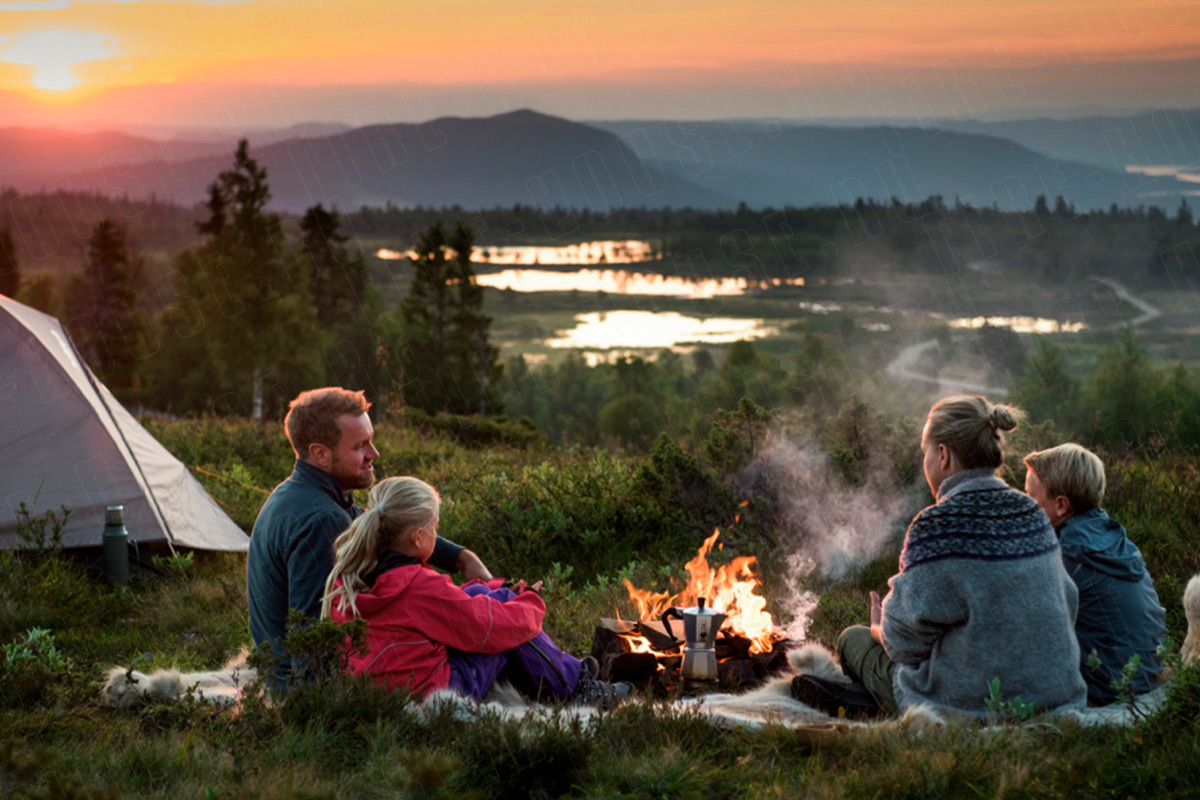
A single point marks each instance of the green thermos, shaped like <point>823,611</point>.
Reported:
<point>116,546</point>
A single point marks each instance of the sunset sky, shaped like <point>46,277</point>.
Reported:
<point>231,63</point>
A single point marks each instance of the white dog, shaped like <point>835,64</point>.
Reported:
<point>1191,609</point>
<point>125,688</point>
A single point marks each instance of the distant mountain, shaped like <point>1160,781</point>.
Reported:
<point>47,154</point>
<point>534,159</point>
<point>1167,137</point>
<point>522,157</point>
<point>226,138</point>
<point>775,164</point>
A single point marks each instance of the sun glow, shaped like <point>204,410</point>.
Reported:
<point>54,54</point>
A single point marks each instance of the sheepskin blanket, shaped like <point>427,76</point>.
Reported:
<point>769,704</point>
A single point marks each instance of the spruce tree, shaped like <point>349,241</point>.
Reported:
<point>1183,217</point>
<point>108,327</point>
<point>337,280</point>
<point>344,300</point>
<point>1047,390</point>
<point>448,363</point>
<point>244,322</point>
<point>10,273</point>
<point>472,357</point>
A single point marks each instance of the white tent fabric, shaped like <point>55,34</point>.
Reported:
<point>68,442</point>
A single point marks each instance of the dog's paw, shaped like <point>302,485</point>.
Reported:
<point>124,688</point>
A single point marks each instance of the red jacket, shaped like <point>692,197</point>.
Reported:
<point>414,613</point>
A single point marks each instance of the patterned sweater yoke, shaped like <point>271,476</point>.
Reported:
<point>982,594</point>
<point>986,522</point>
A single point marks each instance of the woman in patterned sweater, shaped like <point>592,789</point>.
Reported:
<point>981,592</point>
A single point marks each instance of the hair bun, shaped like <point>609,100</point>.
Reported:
<point>1004,418</point>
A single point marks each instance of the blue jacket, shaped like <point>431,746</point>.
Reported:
<point>291,551</point>
<point>1119,613</point>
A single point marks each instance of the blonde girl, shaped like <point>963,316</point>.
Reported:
<point>424,632</point>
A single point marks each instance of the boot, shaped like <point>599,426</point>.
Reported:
<point>591,691</point>
<point>851,700</point>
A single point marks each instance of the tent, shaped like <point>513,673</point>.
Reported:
<point>68,442</point>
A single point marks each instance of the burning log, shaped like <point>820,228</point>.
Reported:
<point>730,588</point>
<point>753,670</point>
<point>734,641</point>
<point>618,662</point>
<point>737,668</point>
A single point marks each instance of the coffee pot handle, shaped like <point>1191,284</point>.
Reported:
<point>666,620</point>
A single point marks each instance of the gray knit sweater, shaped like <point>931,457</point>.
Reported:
<point>982,594</point>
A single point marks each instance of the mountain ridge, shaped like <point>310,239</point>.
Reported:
<point>528,157</point>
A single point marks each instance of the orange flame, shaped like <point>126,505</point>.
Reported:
<point>731,589</point>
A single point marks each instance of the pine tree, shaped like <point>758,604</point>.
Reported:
<point>472,356</point>
<point>337,280</point>
<point>109,328</point>
<point>1121,396</point>
<point>216,212</point>
<point>448,363</point>
<point>344,300</point>
<point>1047,390</point>
<point>1040,208</point>
<point>10,273</point>
<point>1183,217</point>
<point>244,321</point>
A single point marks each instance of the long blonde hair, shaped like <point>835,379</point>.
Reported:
<point>396,507</point>
<point>971,427</point>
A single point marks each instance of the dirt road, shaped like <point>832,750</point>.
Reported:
<point>902,365</point>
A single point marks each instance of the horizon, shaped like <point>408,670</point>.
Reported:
<point>253,64</point>
<point>164,132</point>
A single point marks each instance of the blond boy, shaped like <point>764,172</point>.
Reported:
<point>1119,613</point>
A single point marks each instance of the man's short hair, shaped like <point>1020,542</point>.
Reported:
<point>1071,471</point>
<point>312,417</point>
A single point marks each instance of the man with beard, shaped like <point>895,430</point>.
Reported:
<point>291,548</point>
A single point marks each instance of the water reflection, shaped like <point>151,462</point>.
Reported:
<point>1020,324</point>
<point>1186,174</point>
<point>818,307</point>
<point>604,330</point>
<point>629,251</point>
<point>622,282</point>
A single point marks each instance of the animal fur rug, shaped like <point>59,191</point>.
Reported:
<point>769,704</point>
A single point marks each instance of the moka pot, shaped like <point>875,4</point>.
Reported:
<point>700,627</point>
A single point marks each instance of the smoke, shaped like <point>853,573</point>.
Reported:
<point>828,527</point>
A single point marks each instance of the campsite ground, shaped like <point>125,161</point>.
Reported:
<point>585,520</point>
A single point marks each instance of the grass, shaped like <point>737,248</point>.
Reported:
<point>582,521</point>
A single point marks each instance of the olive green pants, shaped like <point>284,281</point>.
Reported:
<point>863,659</point>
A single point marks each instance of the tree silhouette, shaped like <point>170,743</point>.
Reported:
<point>1047,390</point>
<point>10,273</point>
<point>244,319</point>
<point>109,328</point>
<point>345,302</point>
<point>338,280</point>
<point>448,363</point>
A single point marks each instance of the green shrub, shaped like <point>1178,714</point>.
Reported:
<point>475,430</point>
<point>540,759</point>
<point>31,528</point>
<point>32,667</point>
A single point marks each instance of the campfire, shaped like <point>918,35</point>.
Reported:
<point>748,647</point>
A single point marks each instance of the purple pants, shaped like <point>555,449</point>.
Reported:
<point>537,668</point>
